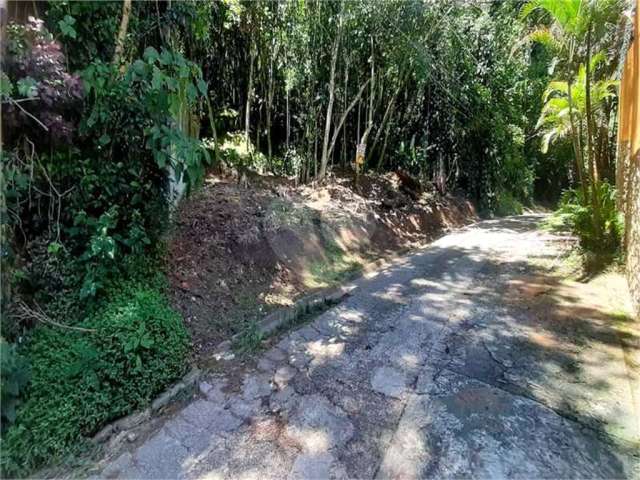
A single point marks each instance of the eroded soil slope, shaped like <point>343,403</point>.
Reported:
<point>238,252</point>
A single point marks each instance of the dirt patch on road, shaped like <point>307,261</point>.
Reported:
<point>237,253</point>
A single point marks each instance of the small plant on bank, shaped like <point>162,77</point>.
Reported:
<point>135,346</point>
<point>335,268</point>
<point>600,236</point>
<point>249,340</point>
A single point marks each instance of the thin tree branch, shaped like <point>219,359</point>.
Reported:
<point>28,313</point>
<point>336,132</point>
<point>28,114</point>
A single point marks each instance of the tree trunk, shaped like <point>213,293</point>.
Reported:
<point>344,108</point>
<point>372,94</point>
<point>332,83</point>
<point>602,149</point>
<point>270,94</point>
<point>336,131</point>
<point>4,18</point>
<point>385,118</point>
<point>247,112</point>
<point>358,125</point>
<point>212,122</point>
<point>577,148</point>
<point>269,147</point>
<point>608,165</point>
<point>122,31</point>
<point>315,154</point>
<point>304,177</point>
<point>258,127</point>
<point>593,174</point>
<point>288,134</point>
<point>441,177</point>
<point>384,146</point>
<point>589,111</point>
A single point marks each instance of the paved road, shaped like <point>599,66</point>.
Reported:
<point>426,371</point>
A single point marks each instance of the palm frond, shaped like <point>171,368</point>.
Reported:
<point>545,37</point>
<point>547,139</point>
<point>567,13</point>
<point>597,59</point>
<point>555,88</point>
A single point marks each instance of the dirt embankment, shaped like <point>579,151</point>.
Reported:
<point>237,253</point>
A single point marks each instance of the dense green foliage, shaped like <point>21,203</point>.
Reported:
<point>446,100</point>
<point>580,109</point>
<point>104,194</point>
<point>575,212</point>
<point>82,379</point>
<point>14,376</point>
<point>85,201</point>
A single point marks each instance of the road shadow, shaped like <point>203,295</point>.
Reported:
<point>465,355</point>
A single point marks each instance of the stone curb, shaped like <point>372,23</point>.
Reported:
<point>268,325</point>
<point>183,387</point>
<point>284,316</point>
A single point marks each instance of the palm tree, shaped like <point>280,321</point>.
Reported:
<point>561,37</point>
<point>571,28</point>
<point>555,118</point>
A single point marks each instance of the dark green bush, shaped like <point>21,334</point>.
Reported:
<point>14,377</point>
<point>600,233</point>
<point>93,29</point>
<point>81,380</point>
<point>507,204</point>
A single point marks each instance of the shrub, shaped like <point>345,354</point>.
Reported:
<point>13,379</point>
<point>103,195</point>
<point>507,204</point>
<point>81,380</point>
<point>599,234</point>
<point>87,28</point>
<point>240,153</point>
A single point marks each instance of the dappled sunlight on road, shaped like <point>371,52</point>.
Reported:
<point>467,358</point>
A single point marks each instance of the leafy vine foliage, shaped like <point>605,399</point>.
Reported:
<point>50,96</point>
<point>112,179</point>
<point>15,374</point>
<point>80,380</point>
<point>86,164</point>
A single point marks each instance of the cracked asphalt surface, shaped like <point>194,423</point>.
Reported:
<point>425,371</point>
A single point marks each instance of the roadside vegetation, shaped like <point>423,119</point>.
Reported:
<point>112,111</point>
<point>580,108</point>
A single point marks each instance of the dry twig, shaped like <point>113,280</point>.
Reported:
<point>25,312</point>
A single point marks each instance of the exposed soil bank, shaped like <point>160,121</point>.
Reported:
<point>237,253</point>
